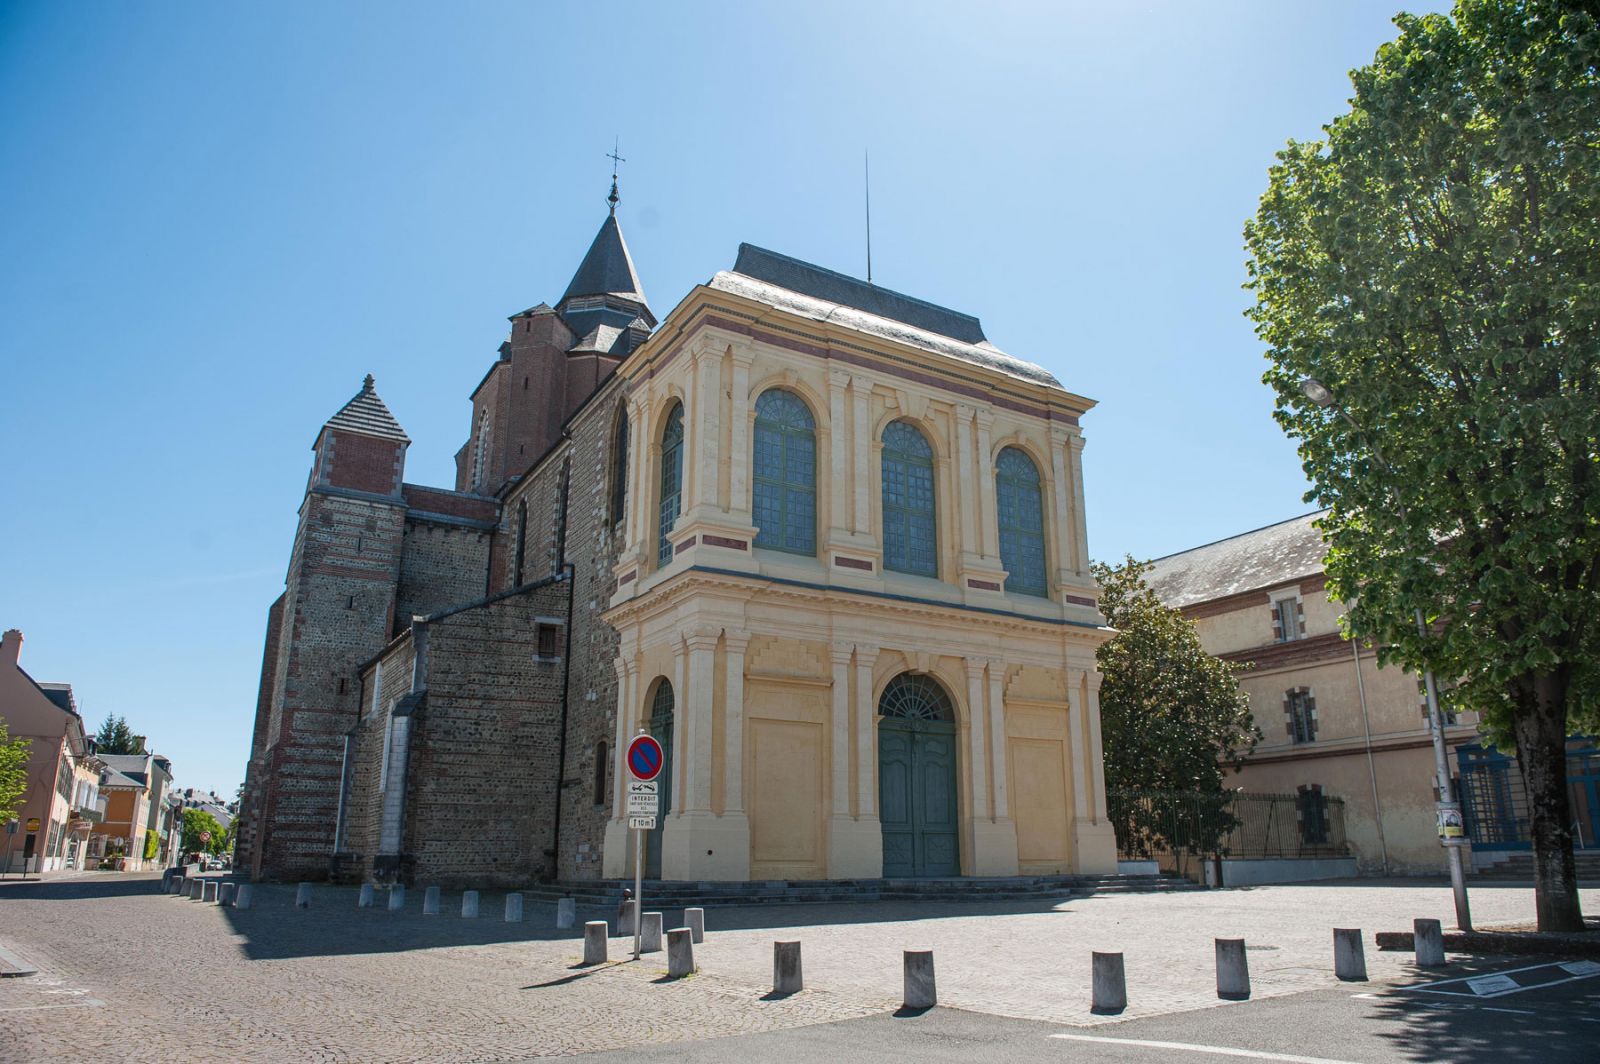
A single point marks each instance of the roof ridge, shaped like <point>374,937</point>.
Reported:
<point>1236,535</point>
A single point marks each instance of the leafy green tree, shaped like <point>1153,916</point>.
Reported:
<point>115,737</point>
<point>196,821</point>
<point>1172,717</point>
<point>152,843</point>
<point>13,771</point>
<point>1434,262</point>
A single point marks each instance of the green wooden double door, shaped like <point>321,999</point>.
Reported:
<point>918,802</point>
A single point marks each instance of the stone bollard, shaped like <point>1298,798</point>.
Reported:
<point>919,986</point>
<point>364,897</point>
<point>650,933</point>
<point>430,902</point>
<point>1428,939</point>
<point>786,974</point>
<point>397,897</point>
<point>695,921</point>
<point>594,942</point>
<point>469,905</point>
<point>627,919</point>
<point>302,896</point>
<point>209,891</point>
<point>245,897</point>
<point>680,953</point>
<point>566,912</point>
<point>1110,983</point>
<point>1233,970</point>
<point>513,908</point>
<point>194,889</point>
<point>226,892</point>
<point>1349,959</point>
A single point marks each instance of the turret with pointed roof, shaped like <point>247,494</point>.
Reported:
<point>362,447</point>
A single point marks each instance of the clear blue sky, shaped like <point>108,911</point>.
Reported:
<point>217,218</point>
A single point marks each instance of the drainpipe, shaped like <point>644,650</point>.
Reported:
<point>566,657</point>
<point>1372,771</point>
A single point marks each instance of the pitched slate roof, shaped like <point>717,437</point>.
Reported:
<point>60,694</point>
<point>367,415</point>
<point>1252,561</point>
<point>113,778</point>
<point>814,292</point>
<point>607,268</point>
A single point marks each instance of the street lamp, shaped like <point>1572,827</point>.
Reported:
<point>1446,808</point>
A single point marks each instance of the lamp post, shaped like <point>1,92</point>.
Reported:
<point>1446,808</point>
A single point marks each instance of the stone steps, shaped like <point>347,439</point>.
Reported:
<point>672,894</point>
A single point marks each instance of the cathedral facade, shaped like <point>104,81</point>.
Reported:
<point>823,540</point>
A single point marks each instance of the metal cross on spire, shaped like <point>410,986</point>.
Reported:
<point>615,159</point>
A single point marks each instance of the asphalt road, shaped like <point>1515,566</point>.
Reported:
<point>1536,1013</point>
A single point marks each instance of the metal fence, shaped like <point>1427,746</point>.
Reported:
<point>1495,800</point>
<point>1178,827</point>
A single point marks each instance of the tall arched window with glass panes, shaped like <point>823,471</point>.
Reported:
<point>1019,494</point>
<point>671,494</point>
<point>910,543</point>
<point>784,478</point>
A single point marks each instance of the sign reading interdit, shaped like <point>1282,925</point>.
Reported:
<point>645,760</point>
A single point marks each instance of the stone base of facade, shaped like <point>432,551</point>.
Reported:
<point>704,845</point>
<point>1097,848</point>
<point>855,848</point>
<point>994,848</point>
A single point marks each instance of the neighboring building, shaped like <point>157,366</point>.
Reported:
<point>61,800</point>
<point>154,773</point>
<point>127,816</point>
<point>824,540</point>
<point>1333,723</point>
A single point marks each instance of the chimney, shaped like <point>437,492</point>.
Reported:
<point>10,647</point>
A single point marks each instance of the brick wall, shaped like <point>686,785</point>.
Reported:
<point>442,565</point>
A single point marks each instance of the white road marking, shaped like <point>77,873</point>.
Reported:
<point>1221,1051</point>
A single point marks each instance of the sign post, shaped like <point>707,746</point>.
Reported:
<point>644,760</point>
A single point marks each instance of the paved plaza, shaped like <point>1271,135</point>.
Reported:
<point>128,973</point>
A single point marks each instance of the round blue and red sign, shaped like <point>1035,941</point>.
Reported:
<point>645,758</point>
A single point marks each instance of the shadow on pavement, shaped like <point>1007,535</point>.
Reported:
<point>57,888</point>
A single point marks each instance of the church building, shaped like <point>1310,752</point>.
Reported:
<point>825,541</point>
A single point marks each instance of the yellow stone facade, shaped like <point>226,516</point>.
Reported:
<point>777,661</point>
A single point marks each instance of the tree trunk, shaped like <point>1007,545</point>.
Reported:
<point>1540,726</point>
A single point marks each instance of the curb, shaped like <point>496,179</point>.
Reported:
<point>1512,943</point>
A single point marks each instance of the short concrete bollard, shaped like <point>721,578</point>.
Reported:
<point>786,975</point>
<point>566,912</point>
<point>430,902</point>
<point>209,891</point>
<point>513,908</point>
<point>920,992</point>
<point>1428,939</point>
<point>1349,959</point>
<point>680,953</point>
<point>627,919</point>
<point>650,933</point>
<point>594,942</point>
<point>1233,970</point>
<point>469,905</point>
<point>695,921</point>
<point>1110,983</point>
<point>246,896</point>
<point>226,892</point>
<point>302,896</point>
<point>397,897</point>
<point>195,887</point>
<point>364,896</point>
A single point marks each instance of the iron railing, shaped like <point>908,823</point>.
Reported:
<point>1178,827</point>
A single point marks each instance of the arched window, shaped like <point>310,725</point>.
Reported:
<point>915,696</point>
<point>671,482</point>
<point>522,541</point>
<point>785,480</point>
<point>909,542</point>
<point>619,468</point>
<point>602,761</point>
<point>480,451</point>
<point>1021,512</point>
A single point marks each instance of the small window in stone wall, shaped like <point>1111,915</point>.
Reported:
<point>1288,620</point>
<point>1300,715</point>
<point>602,761</point>
<point>549,641</point>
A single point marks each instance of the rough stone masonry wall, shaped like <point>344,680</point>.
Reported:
<point>482,778</point>
<point>338,613</point>
<point>363,796</point>
<point>444,566</point>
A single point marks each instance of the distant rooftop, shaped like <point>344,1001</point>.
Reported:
<point>1251,561</point>
<point>824,295</point>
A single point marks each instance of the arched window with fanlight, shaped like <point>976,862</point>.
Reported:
<point>910,544</point>
<point>784,481</point>
<point>1019,493</point>
<point>671,482</point>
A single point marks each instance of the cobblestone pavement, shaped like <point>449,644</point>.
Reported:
<point>129,974</point>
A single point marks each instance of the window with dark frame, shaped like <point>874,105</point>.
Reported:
<point>1311,809</point>
<point>549,641</point>
<point>602,764</point>
<point>1299,710</point>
